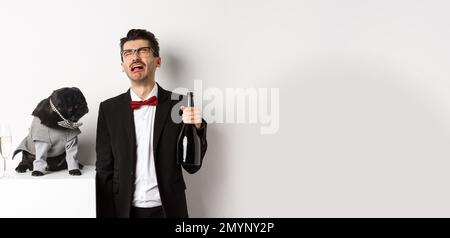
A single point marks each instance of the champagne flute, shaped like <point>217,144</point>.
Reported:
<point>5,144</point>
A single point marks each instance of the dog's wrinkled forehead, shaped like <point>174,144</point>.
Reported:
<point>67,97</point>
<point>62,93</point>
<point>70,101</point>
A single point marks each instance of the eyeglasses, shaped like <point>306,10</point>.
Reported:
<point>142,52</point>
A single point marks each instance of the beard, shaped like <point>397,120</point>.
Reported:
<point>142,77</point>
<point>144,74</point>
<point>137,78</point>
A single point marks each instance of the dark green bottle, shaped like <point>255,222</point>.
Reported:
<point>188,146</point>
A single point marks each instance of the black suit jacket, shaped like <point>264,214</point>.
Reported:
<point>116,156</point>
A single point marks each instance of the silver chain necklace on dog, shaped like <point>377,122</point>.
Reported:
<point>65,123</point>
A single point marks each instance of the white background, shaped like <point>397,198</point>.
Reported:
<point>364,94</point>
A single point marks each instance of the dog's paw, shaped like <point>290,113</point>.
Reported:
<point>75,172</point>
<point>37,173</point>
<point>21,169</point>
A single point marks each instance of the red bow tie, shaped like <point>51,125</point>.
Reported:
<point>153,101</point>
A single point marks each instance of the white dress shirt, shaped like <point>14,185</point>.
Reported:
<point>146,193</point>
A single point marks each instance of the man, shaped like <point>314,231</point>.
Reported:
<point>137,172</point>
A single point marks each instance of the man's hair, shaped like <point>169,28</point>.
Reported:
<point>141,34</point>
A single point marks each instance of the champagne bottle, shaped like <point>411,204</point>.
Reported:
<point>188,146</point>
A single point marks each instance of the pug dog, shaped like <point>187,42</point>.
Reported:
<point>51,144</point>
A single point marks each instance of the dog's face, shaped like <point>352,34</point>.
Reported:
<point>70,102</point>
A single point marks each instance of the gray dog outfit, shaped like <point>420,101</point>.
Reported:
<point>43,142</point>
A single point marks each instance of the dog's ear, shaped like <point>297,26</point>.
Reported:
<point>44,112</point>
<point>42,108</point>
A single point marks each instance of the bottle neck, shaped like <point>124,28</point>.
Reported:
<point>190,99</point>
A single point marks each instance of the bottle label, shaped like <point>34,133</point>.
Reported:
<point>184,149</point>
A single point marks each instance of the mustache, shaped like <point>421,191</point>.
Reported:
<point>137,61</point>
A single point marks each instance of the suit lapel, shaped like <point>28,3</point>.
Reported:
<point>162,111</point>
<point>128,117</point>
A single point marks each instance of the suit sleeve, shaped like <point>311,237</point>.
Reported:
<point>203,147</point>
<point>104,168</point>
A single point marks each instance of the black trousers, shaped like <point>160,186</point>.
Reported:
<point>152,212</point>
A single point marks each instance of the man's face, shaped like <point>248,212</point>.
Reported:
<point>140,64</point>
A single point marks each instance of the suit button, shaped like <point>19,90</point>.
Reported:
<point>132,173</point>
